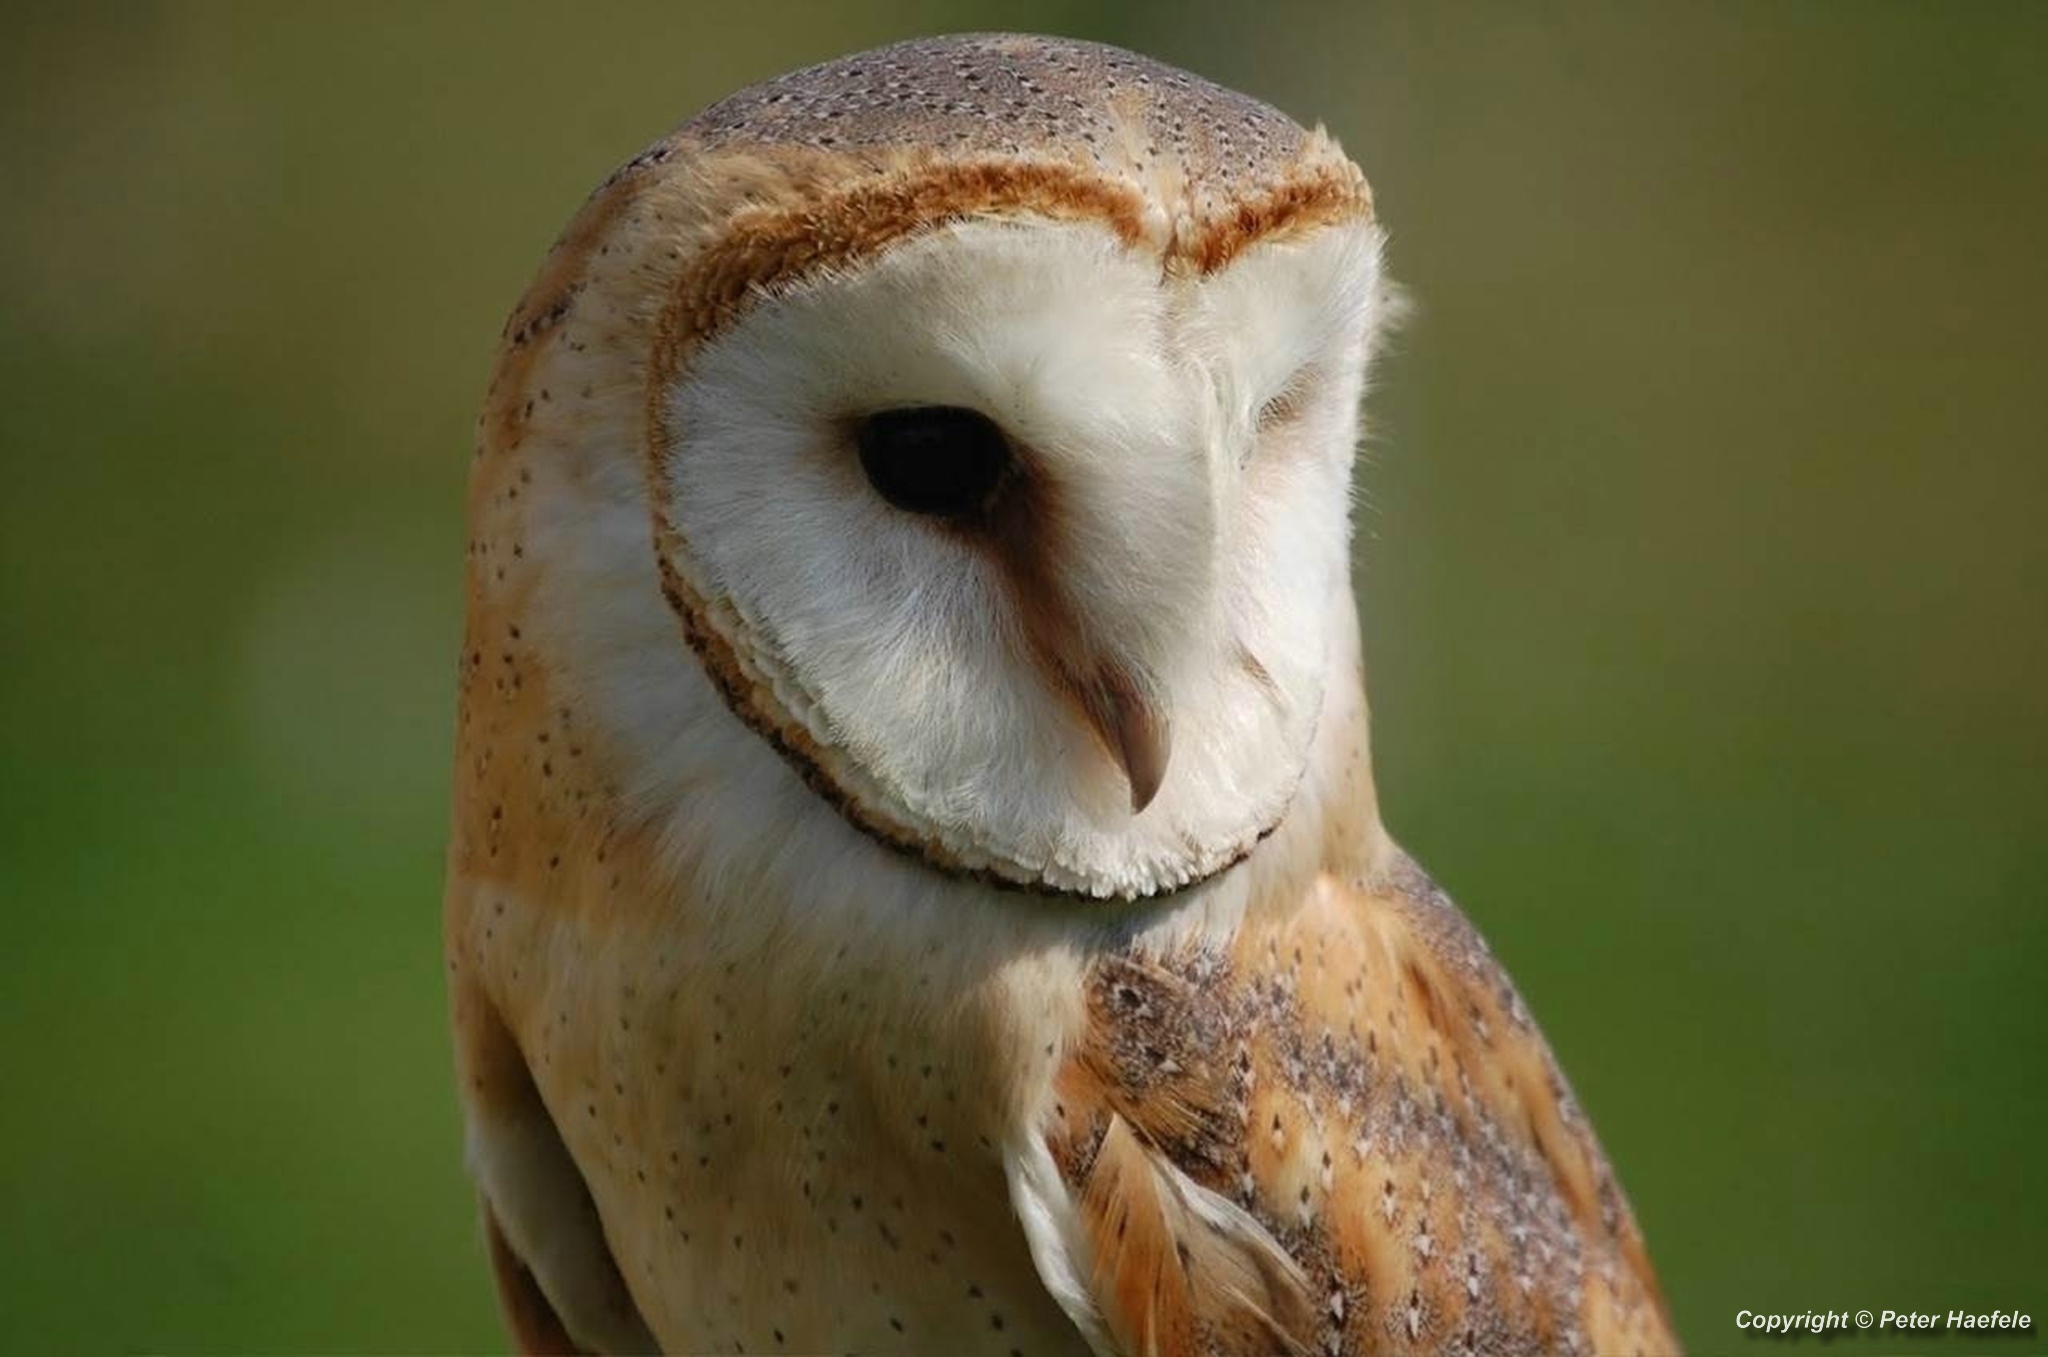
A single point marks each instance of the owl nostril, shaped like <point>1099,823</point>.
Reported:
<point>940,460</point>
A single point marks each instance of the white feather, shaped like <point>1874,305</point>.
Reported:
<point>1045,1209</point>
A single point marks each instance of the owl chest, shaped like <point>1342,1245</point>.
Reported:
<point>778,1176</point>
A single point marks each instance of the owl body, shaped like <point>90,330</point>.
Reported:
<point>916,881</point>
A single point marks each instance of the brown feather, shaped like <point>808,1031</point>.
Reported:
<point>1357,1075</point>
<point>1170,1280</point>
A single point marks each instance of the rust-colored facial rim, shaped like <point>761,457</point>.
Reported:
<point>771,249</point>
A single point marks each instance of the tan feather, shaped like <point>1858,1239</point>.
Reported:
<point>1174,1273</point>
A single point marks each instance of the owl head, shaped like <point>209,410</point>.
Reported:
<point>989,404</point>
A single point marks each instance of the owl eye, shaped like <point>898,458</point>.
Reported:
<point>933,459</point>
<point>1290,401</point>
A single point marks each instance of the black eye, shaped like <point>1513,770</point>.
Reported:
<point>933,459</point>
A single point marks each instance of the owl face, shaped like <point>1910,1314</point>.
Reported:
<point>1019,536</point>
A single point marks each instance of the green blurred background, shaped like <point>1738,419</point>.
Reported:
<point>1702,559</point>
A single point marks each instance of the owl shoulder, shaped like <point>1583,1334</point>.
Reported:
<point>1339,1132</point>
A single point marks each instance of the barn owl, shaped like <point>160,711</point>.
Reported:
<point>916,880</point>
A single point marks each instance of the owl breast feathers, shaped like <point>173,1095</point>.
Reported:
<point>916,880</point>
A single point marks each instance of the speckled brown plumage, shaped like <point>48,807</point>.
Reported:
<point>1361,1077</point>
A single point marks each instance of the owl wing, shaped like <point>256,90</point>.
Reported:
<point>1341,1134</point>
<point>559,1286</point>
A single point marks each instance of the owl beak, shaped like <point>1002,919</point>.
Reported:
<point>1134,730</point>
